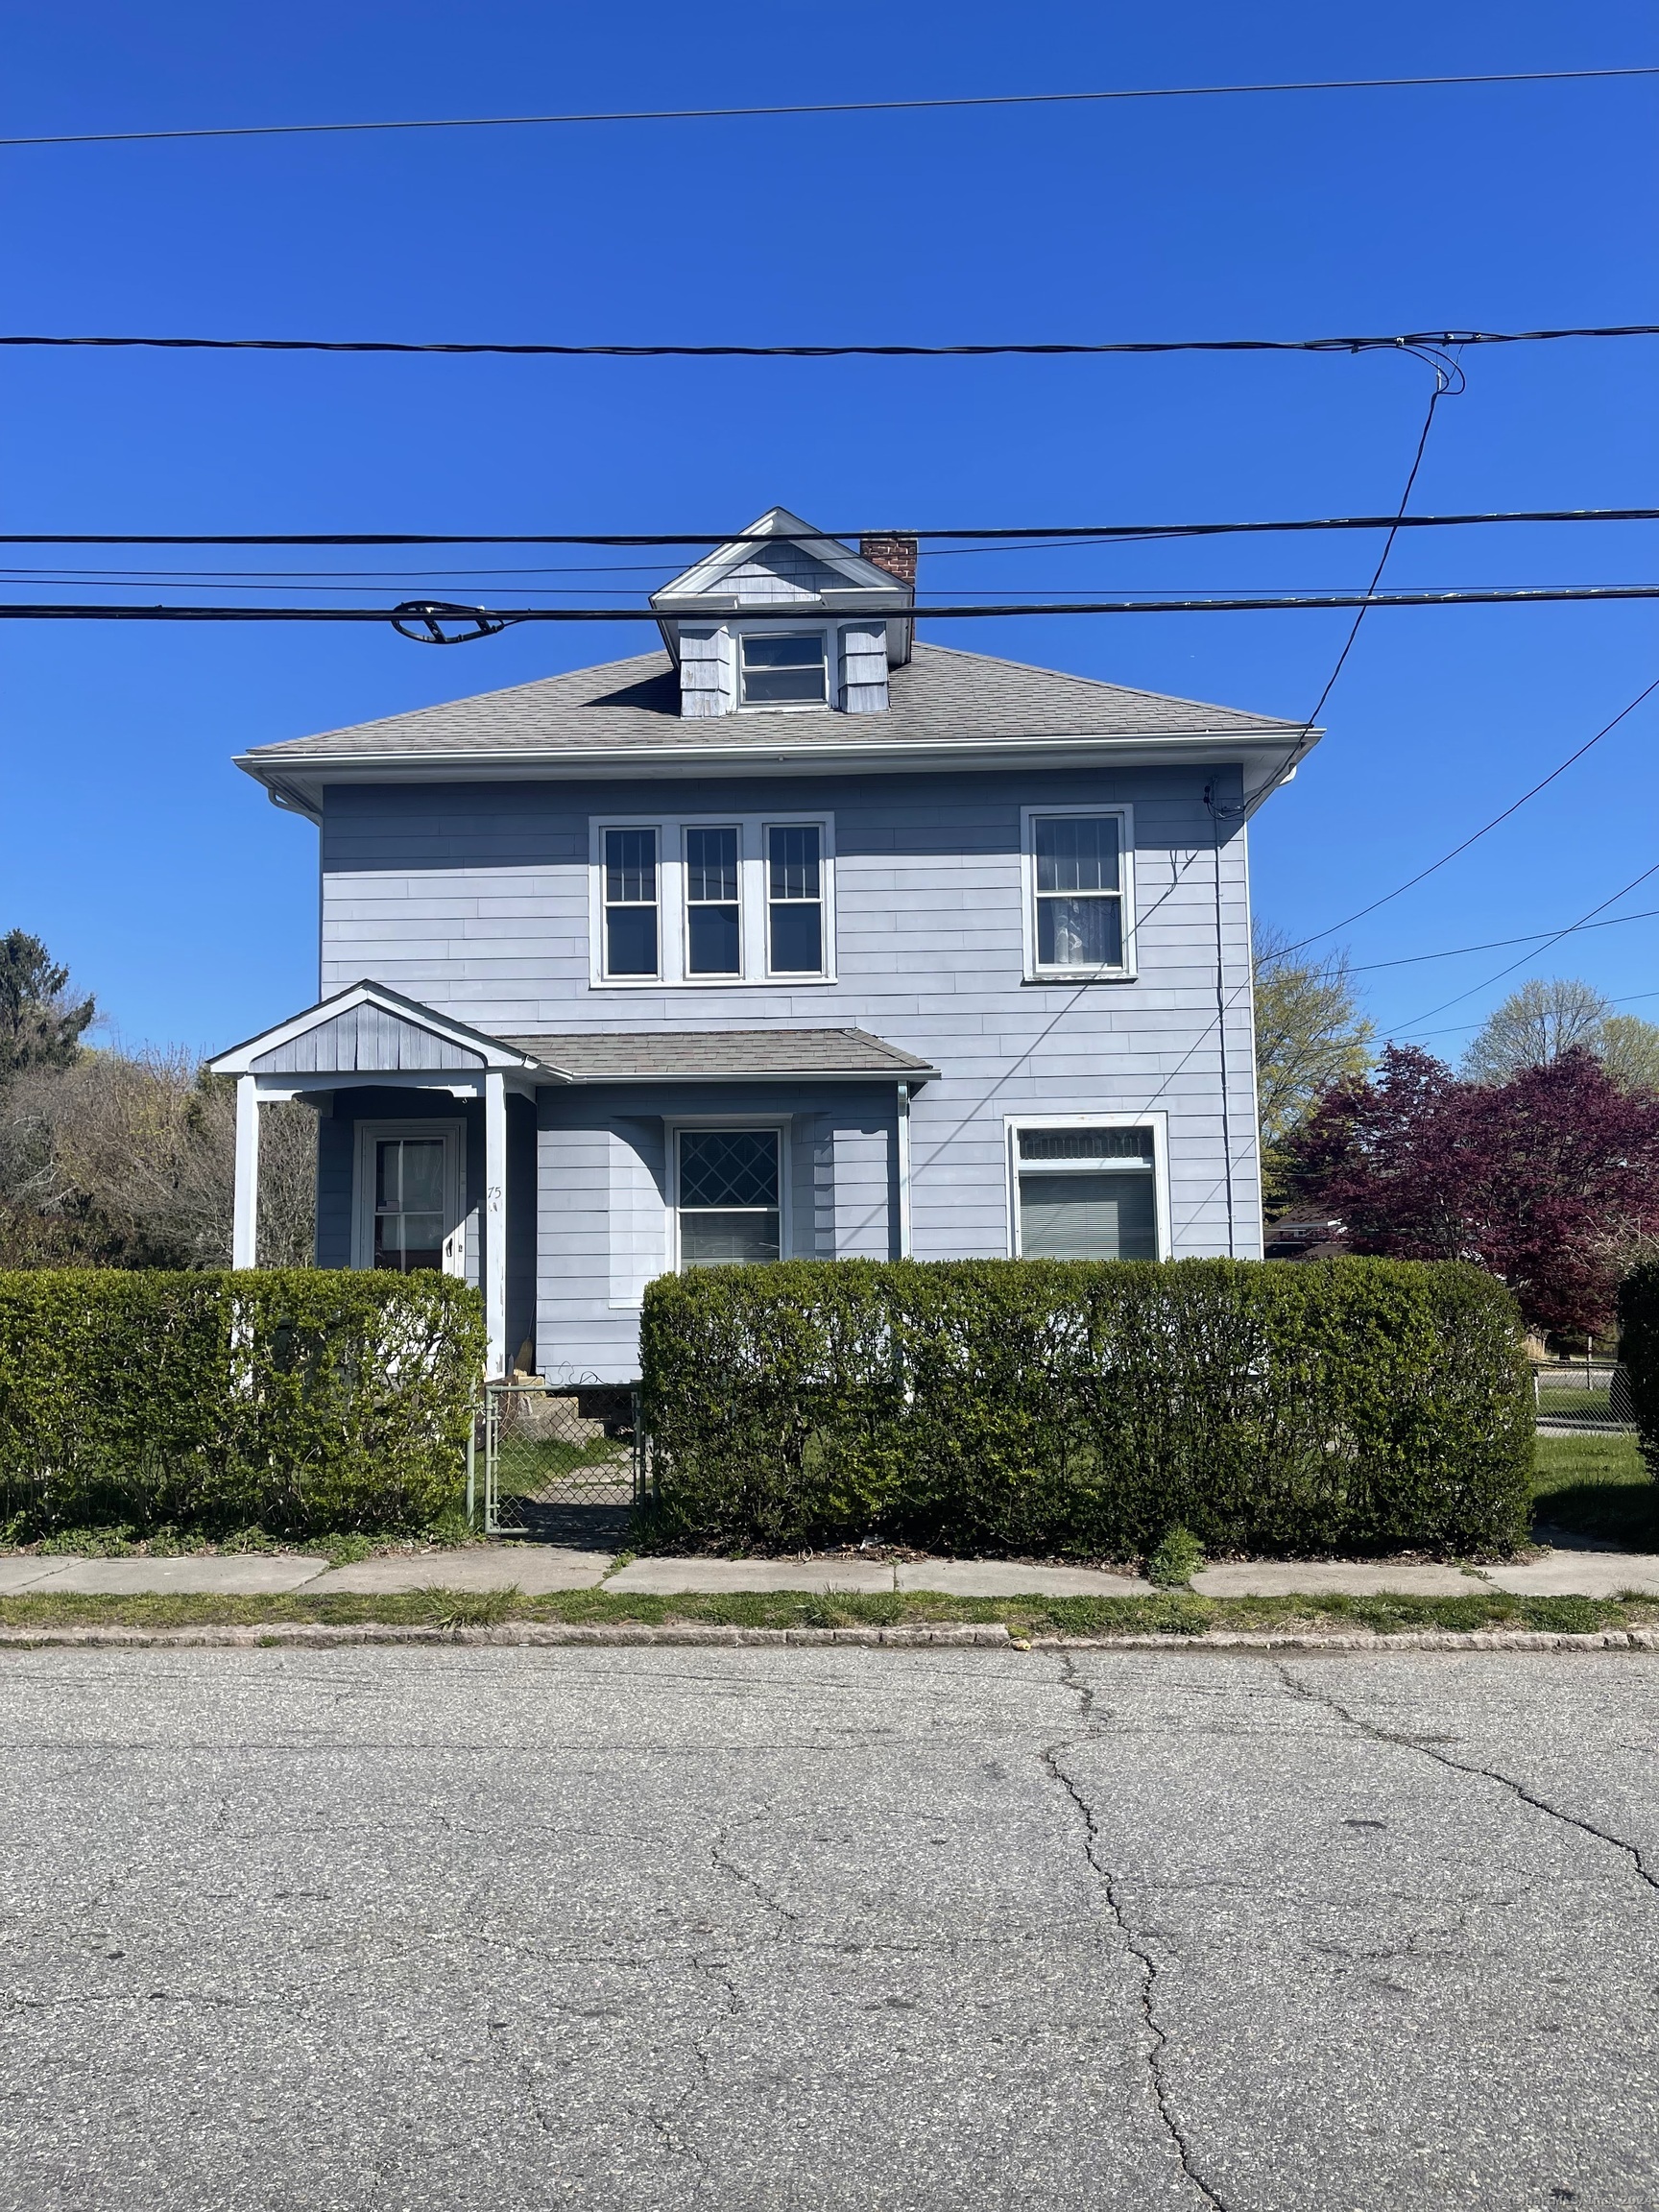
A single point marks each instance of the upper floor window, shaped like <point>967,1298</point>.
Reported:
<point>1080,916</point>
<point>794,900</point>
<point>712,901</point>
<point>790,671</point>
<point>714,904</point>
<point>630,918</point>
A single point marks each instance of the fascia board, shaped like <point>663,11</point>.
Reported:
<point>1149,749</point>
<point>916,1076</point>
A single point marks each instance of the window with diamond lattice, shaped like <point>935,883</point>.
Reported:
<point>729,1198</point>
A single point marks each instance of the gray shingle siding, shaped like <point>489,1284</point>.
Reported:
<point>473,898</point>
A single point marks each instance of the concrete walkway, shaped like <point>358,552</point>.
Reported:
<point>537,1568</point>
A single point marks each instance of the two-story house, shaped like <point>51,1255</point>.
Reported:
<point>793,939</point>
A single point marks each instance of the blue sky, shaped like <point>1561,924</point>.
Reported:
<point>188,904</point>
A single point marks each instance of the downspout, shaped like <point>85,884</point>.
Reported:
<point>1210,802</point>
<point>902,1167</point>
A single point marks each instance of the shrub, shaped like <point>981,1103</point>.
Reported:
<point>1087,1408</point>
<point>1639,1355</point>
<point>300,1400</point>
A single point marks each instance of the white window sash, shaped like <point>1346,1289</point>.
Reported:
<point>1158,1123</point>
<point>1079,971</point>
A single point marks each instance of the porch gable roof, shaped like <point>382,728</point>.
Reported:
<point>368,1028</point>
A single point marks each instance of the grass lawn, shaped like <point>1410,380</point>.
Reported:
<point>1175,1612</point>
<point>1596,1486</point>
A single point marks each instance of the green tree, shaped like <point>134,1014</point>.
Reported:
<point>40,1025</point>
<point>1534,1026</point>
<point>1310,1034</point>
<point>1630,1051</point>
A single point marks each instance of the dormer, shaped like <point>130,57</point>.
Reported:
<point>782,620</point>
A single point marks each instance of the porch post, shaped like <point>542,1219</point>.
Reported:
<point>903,1177</point>
<point>245,1215</point>
<point>495,1260</point>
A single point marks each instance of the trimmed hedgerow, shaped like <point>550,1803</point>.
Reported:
<point>298,1401</point>
<point>1089,1407</point>
<point>1639,1355</point>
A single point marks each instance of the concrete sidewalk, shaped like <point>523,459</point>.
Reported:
<point>538,1567</point>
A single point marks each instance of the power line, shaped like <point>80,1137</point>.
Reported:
<point>1396,341</point>
<point>1573,927</point>
<point>1059,532</point>
<point>1486,829</point>
<point>500,617</point>
<point>835,106</point>
<point>1497,943</point>
<point>1462,1028</point>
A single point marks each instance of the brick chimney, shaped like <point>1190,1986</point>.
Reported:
<point>888,549</point>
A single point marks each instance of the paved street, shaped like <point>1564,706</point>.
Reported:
<point>437,1928</point>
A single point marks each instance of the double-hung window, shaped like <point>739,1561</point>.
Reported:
<point>795,899</point>
<point>1086,1194</point>
<point>714,904</point>
<point>729,1196</point>
<point>789,671</point>
<point>1078,866</point>
<point>632,930</point>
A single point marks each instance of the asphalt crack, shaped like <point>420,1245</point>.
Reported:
<point>1377,1734</point>
<point>1156,2035</point>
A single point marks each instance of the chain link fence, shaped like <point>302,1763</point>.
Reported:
<point>560,1461</point>
<point>1589,1397</point>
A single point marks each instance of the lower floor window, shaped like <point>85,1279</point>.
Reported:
<point>408,1203</point>
<point>729,1183</point>
<point>1086,1195</point>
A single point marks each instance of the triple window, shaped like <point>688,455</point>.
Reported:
<point>713,901</point>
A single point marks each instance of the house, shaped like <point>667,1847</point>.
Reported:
<point>792,938</point>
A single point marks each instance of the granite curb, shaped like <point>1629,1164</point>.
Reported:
<point>307,1636</point>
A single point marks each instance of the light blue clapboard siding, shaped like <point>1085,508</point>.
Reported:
<point>474,900</point>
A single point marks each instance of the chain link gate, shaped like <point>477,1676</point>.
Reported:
<point>562,1461</point>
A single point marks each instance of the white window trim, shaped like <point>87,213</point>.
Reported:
<point>1029,817</point>
<point>372,1133</point>
<point>777,1122</point>
<point>807,627</point>
<point>672,933</point>
<point>1156,1122</point>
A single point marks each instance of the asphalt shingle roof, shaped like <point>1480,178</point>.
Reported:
<point>597,1056</point>
<point>632,705</point>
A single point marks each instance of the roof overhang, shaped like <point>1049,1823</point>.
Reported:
<point>1265,758</point>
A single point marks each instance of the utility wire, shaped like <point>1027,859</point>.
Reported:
<point>500,617</point>
<point>1495,944</point>
<point>1571,928</point>
<point>1398,342</point>
<point>1462,1028</point>
<point>1486,829</point>
<point>1060,534</point>
<point>836,107</point>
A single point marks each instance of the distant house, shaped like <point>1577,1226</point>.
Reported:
<point>1314,1239</point>
<point>791,938</point>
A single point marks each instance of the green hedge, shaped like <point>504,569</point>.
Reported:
<point>296,1400</point>
<point>1638,1354</point>
<point>1087,1408</point>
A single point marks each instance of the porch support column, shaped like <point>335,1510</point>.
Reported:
<point>245,1216</point>
<point>495,1264</point>
<point>902,1176</point>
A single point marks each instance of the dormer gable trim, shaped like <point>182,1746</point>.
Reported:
<point>703,580</point>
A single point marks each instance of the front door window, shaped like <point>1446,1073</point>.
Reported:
<point>409,1203</point>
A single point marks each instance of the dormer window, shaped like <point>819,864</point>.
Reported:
<point>787,671</point>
